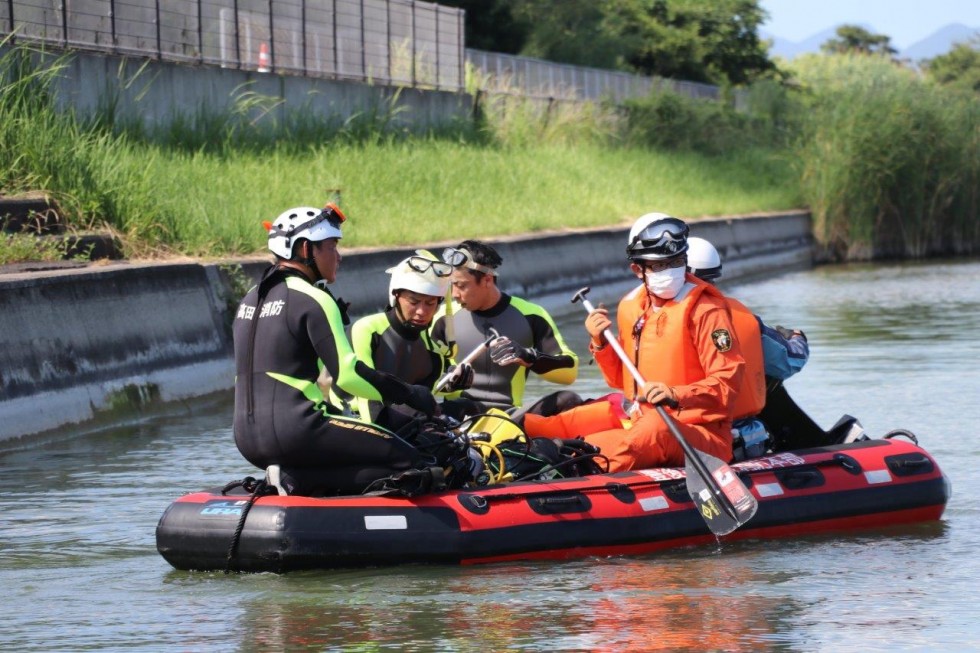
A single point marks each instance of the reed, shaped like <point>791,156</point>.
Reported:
<point>888,162</point>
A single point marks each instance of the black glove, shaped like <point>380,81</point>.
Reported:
<point>420,398</point>
<point>788,334</point>
<point>504,351</point>
<point>461,377</point>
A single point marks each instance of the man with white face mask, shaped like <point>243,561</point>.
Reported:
<point>678,331</point>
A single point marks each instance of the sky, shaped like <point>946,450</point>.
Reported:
<point>905,21</point>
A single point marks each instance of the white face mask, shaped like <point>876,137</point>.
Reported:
<point>666,283</point>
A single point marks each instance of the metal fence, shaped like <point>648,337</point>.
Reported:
<point>401,42</point>
<point>529,77</point>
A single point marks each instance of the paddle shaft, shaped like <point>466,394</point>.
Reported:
<point>693,458</point>
<point>470,357</point>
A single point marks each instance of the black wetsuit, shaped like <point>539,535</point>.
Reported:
<point>384,342</point>
<point>281,414</point>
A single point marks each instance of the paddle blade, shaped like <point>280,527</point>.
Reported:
<point>728,504</point>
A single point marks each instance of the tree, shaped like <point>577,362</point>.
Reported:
<point>851,38</point>
<point>569,31</point>
<point>491,25</point>
<point>712,41</point>
<point>960,67</point>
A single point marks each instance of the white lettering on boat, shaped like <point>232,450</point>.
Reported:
<point>776,461</point>
<point>663,473</point>
<point>223,508</point>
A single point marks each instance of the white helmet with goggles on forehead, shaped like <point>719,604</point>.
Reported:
<point>303,222</point>
<point>420,273</point>
<point>656,236</point>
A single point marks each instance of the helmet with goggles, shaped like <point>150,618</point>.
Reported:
<point>702,259</point>
<point>421,274</point>
<point>462,257</point>
<point>303,222</point>
<point>657,236</point>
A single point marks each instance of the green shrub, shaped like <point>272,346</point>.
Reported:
<point>888,162</point>
<point>669,121</point>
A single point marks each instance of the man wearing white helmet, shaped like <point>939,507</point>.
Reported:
<point>785,351</point>
<point>679,334</point>
<point>397,340</point>
<point>288,328</point>
<point>781,353</point>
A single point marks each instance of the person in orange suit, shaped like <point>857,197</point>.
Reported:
<point>678,331</point>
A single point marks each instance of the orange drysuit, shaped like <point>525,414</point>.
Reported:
<point>687,343</point>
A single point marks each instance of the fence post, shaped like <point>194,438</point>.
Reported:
<point>272,41</point>
<point>461,79</point>
<point>238,42</point>
<point>64,23</point>
<point>388,39</point>
<point>112,24</point>
<point>336,56</point>
<point>159,42</point>
<point>363,46</point>
<point>200,31</point>
<point>302,36</point>
<point>413,44</point>
<point>438,58</point>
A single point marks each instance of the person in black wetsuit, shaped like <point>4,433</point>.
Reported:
<point>288,333</point>
<point>397,340</point>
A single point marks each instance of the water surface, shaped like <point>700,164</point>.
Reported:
<point>895,345</point>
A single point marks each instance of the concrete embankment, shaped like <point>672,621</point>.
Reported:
<point>89,342</point>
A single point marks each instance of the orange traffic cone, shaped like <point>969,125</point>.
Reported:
<point>265,61</point>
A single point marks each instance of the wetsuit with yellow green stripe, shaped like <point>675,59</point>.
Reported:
<point>282,341</point>
<point>386,343</point>
<point>525,323</point>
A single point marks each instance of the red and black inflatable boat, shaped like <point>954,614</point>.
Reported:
<point>864,484</point>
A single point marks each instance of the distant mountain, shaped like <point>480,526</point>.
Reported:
<point>939,42</point>
<point>789,49</point>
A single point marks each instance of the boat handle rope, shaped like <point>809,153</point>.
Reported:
<point>258,488</point>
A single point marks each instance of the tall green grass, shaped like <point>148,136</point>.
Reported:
<point>428,191</point>
<point>203,185</point>
<point>889,163</point>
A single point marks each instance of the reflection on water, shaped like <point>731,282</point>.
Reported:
<point>895,346</point>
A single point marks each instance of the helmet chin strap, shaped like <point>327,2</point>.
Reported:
<point>310,262</point>
<point>406,324</point>
<point>306,264</point>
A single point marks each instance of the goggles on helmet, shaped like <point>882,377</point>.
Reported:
<point>330,213</point>
<point>662,239</point>
<point>422,264</point>
<point>462,258</point>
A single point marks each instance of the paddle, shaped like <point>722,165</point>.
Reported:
<point>719,494</point>
<point>470,357</point>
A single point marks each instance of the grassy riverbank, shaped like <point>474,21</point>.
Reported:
<point>887,162</point>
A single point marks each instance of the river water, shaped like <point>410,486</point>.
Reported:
<point>895,345</point>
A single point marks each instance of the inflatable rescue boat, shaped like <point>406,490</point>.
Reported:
<point>865,484</point>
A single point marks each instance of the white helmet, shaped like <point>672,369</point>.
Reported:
<point>422,274</point>
<point>303,222</point>
<point>702,259</point>
<point>656,236</point>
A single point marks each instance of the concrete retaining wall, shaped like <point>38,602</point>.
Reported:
<point>82,343</point>
<point>154,92</point>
